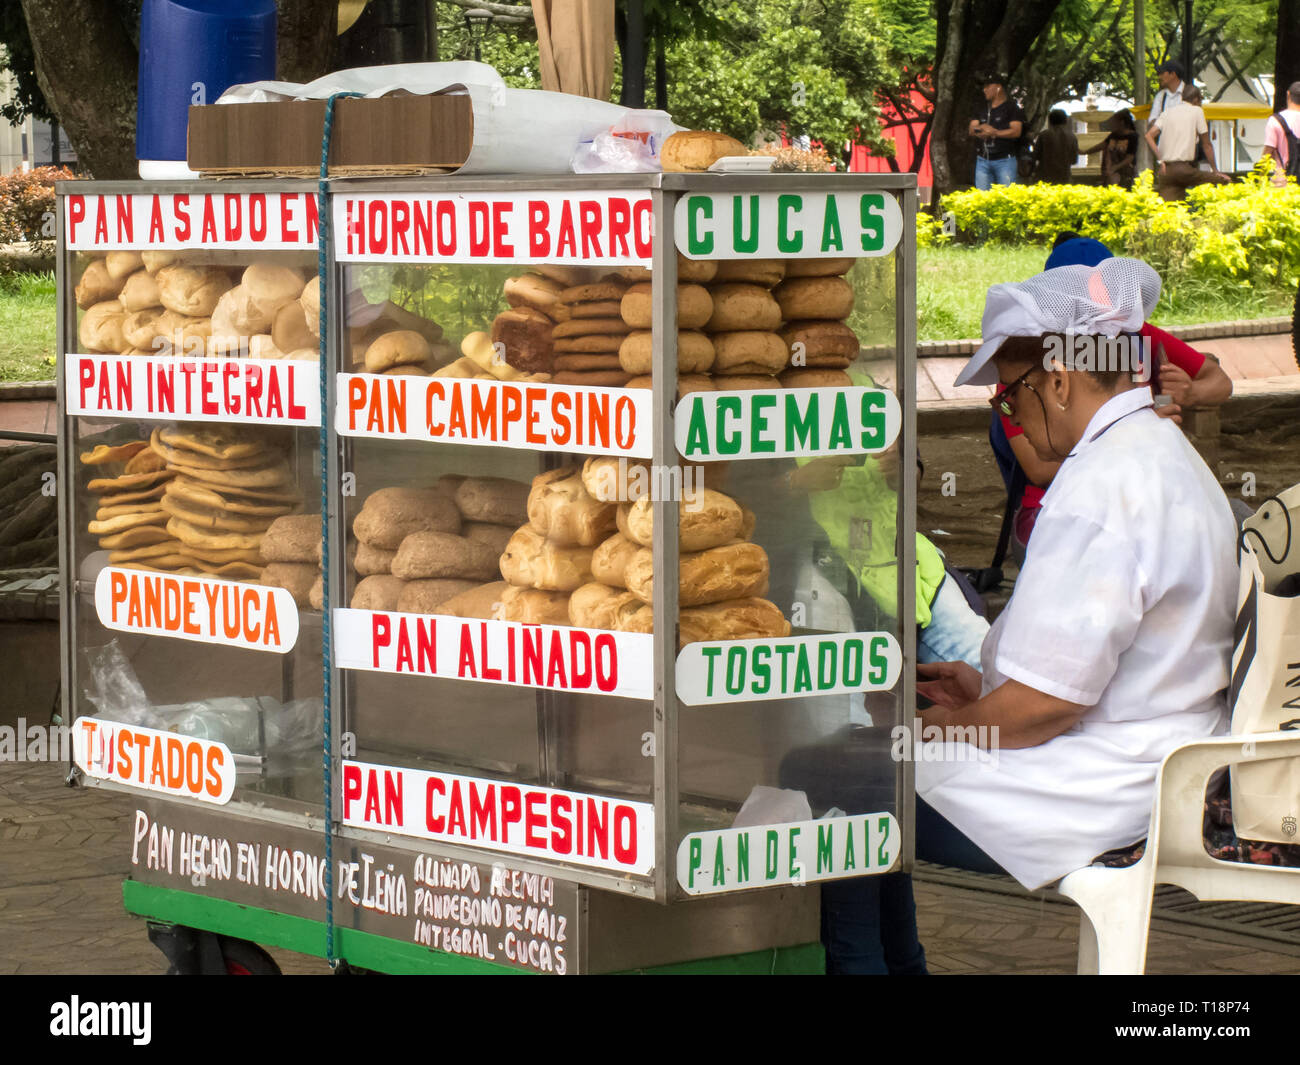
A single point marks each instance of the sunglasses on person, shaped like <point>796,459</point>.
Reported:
<point>1000,401</point>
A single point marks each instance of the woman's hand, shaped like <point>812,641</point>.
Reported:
<point>951,685</point>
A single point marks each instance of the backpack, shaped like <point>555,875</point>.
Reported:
<point>1292,148</point>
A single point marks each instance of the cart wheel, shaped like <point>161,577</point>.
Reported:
<point>243,958</point>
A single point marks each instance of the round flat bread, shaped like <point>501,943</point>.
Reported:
<point>589,344</point>
<point>201,496</point>
<point>594,309</point>
<point>187,571</point>
<point>277,475</point>
<point>176,456</point>
<point>599,290</point>
<point>587,362</point>
<point>103,453</point>
<point>190,535</point>
<point>123,522</point>
<point>213,519</point>
<point>128,482</point>
<point>137,537</point>
<point>135,554</point>
<point>117,510</point>
<point>581,327</point>
<point>231,571</point>
<point>215,441</point>
<point>243,494</point>
<point>148,495</point>
<point>147,461</point>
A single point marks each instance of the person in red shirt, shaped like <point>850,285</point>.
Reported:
<point>1182,373</point>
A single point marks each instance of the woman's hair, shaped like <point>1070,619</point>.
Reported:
<point>1099,353</point>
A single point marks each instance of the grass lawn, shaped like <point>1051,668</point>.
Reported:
<point>951,283</point>
<point>27,320</point>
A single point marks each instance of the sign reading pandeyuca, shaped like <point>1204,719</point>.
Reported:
<point>795,667</point>
<point>203,609</point>
<point>770,225</point>
<point>610,227</point>
<point>732,859</point>
<point>155,221</point>
<point>559,657</point>
<point>784,422</point>
<point>535,417</point>
<point>147,758</point>
<point>501,815</point>
<point>258,391</point>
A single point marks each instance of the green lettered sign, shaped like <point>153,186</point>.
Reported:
<point>773,225</point>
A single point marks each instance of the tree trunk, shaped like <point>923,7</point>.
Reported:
<point>306,31</point>
<point>975,37</point>
<point>1286,68</point>
<point>86,66</point>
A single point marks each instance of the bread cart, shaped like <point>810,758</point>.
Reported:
<point>510,763</point>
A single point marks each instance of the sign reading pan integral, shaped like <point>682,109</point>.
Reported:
<point>772,225</point>
<point>796,667</point>
<point>734,859</point>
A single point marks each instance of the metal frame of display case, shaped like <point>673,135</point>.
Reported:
<point>665,190</point>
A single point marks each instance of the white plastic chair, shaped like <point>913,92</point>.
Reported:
<point>1116,903</point>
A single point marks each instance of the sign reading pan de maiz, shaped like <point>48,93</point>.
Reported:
<point>796,667</point>
<point>773,225</point>
<point>733,859</point>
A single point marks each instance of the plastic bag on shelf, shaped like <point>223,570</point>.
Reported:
<point>630,146</point>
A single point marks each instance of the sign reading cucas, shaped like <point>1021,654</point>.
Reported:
<point>772,225</point>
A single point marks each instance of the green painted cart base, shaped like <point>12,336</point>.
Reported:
<point>368,951</point>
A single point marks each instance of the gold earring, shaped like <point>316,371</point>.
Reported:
<point>1062,406</point>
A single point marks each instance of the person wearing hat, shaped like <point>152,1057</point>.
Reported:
<point>1119,150</point>
<point>1115,646</point>
<point>1171,76</point>
<point>997,128</point>
<point>1179,130</point>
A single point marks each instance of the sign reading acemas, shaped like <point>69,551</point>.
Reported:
<point>770,225</point>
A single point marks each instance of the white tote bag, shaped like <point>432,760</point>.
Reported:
<point>1265,686</point>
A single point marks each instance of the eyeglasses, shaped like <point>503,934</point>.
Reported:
<point>1000,401</point>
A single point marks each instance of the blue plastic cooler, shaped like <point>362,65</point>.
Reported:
<point>191,51</point>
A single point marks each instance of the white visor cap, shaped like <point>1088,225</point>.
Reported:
<point>1113,297</point>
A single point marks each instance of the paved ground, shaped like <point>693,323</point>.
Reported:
<point>63,855</point>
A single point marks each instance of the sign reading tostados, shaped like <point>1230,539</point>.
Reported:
<point>146,758</point>
<point>204,609</point>
<point>153,222</point>
<point>559,657</point>
<point>500,815</point>
<point>532,417</point>
<point>605,228</point>
<point>794,667</point>
<point>772,225</point>
<point>255,391</point>
<point>789,421</point>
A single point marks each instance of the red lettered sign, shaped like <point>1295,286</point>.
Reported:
<point>255,391</point>
<point>559,657</point>
<point>500,815</point>
<point>533,417</point>
<point>609,228</point>
<point>156,221</point>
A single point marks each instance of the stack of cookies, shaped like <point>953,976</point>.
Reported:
<point>743,326</point>
<point>550,557</point>
<point>815,300</point>
<point>228,484</point>
<point>587,338</point>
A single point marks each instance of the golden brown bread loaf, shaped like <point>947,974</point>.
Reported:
<point>496,500</point>
<point>733,619</point>
<point>482,602</point>
<point>494,536</point>
<point>371,561</point>
<point>535,291</point>
<point>610,560</point>
<point>765,272</point>
<point>140,292</point>
<point>748,352</point>
<point>741,306</point>
<point>423,555</point>
<point>427,596</point>
<point>141,328</point>
<point>121,264</point>
<point>612,480</point>
<point>732,571</point>
<point>391,514</point>
<point>153,261</point>
<point>814,297</point>
<point>289,328</point>
<point>695,352</point>
<point>534,607</point>
<point>309,301</point>
<point>561,509</point>
<point>96,286</point>
<point>694,305</point>
<point>297,577</point>
<point>620,520</point>
<point>194,290</point>
<point>270,286</point>
<point>101,328</point>
<point>402,347</point>
<point>292,538</point>
<point>530,560</point>
<point>597,606</point>
<point>709,520</point>
<point>697,149</point>
<point>181,334</point>
<point>826,344</point>
<point>377,593</point>
<point>817,267</point>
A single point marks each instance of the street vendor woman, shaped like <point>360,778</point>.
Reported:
<point>1114,648</point>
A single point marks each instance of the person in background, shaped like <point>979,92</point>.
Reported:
<point>1058,148</point>
<point>1179,129</point>
<point>1170,75</point>
<point>997,129</point>
<point>1282,138</point>
<point>1119,152</point>
<point>1181,372</point>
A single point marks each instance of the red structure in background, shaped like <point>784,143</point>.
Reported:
<point>896,129</point>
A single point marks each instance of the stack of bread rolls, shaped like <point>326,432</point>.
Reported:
<point>722,575</point>
<point>291,550</point>
<point>815,300</point>
<point>695,351</point>
<point>550,556</point>
<point>743,326</point>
